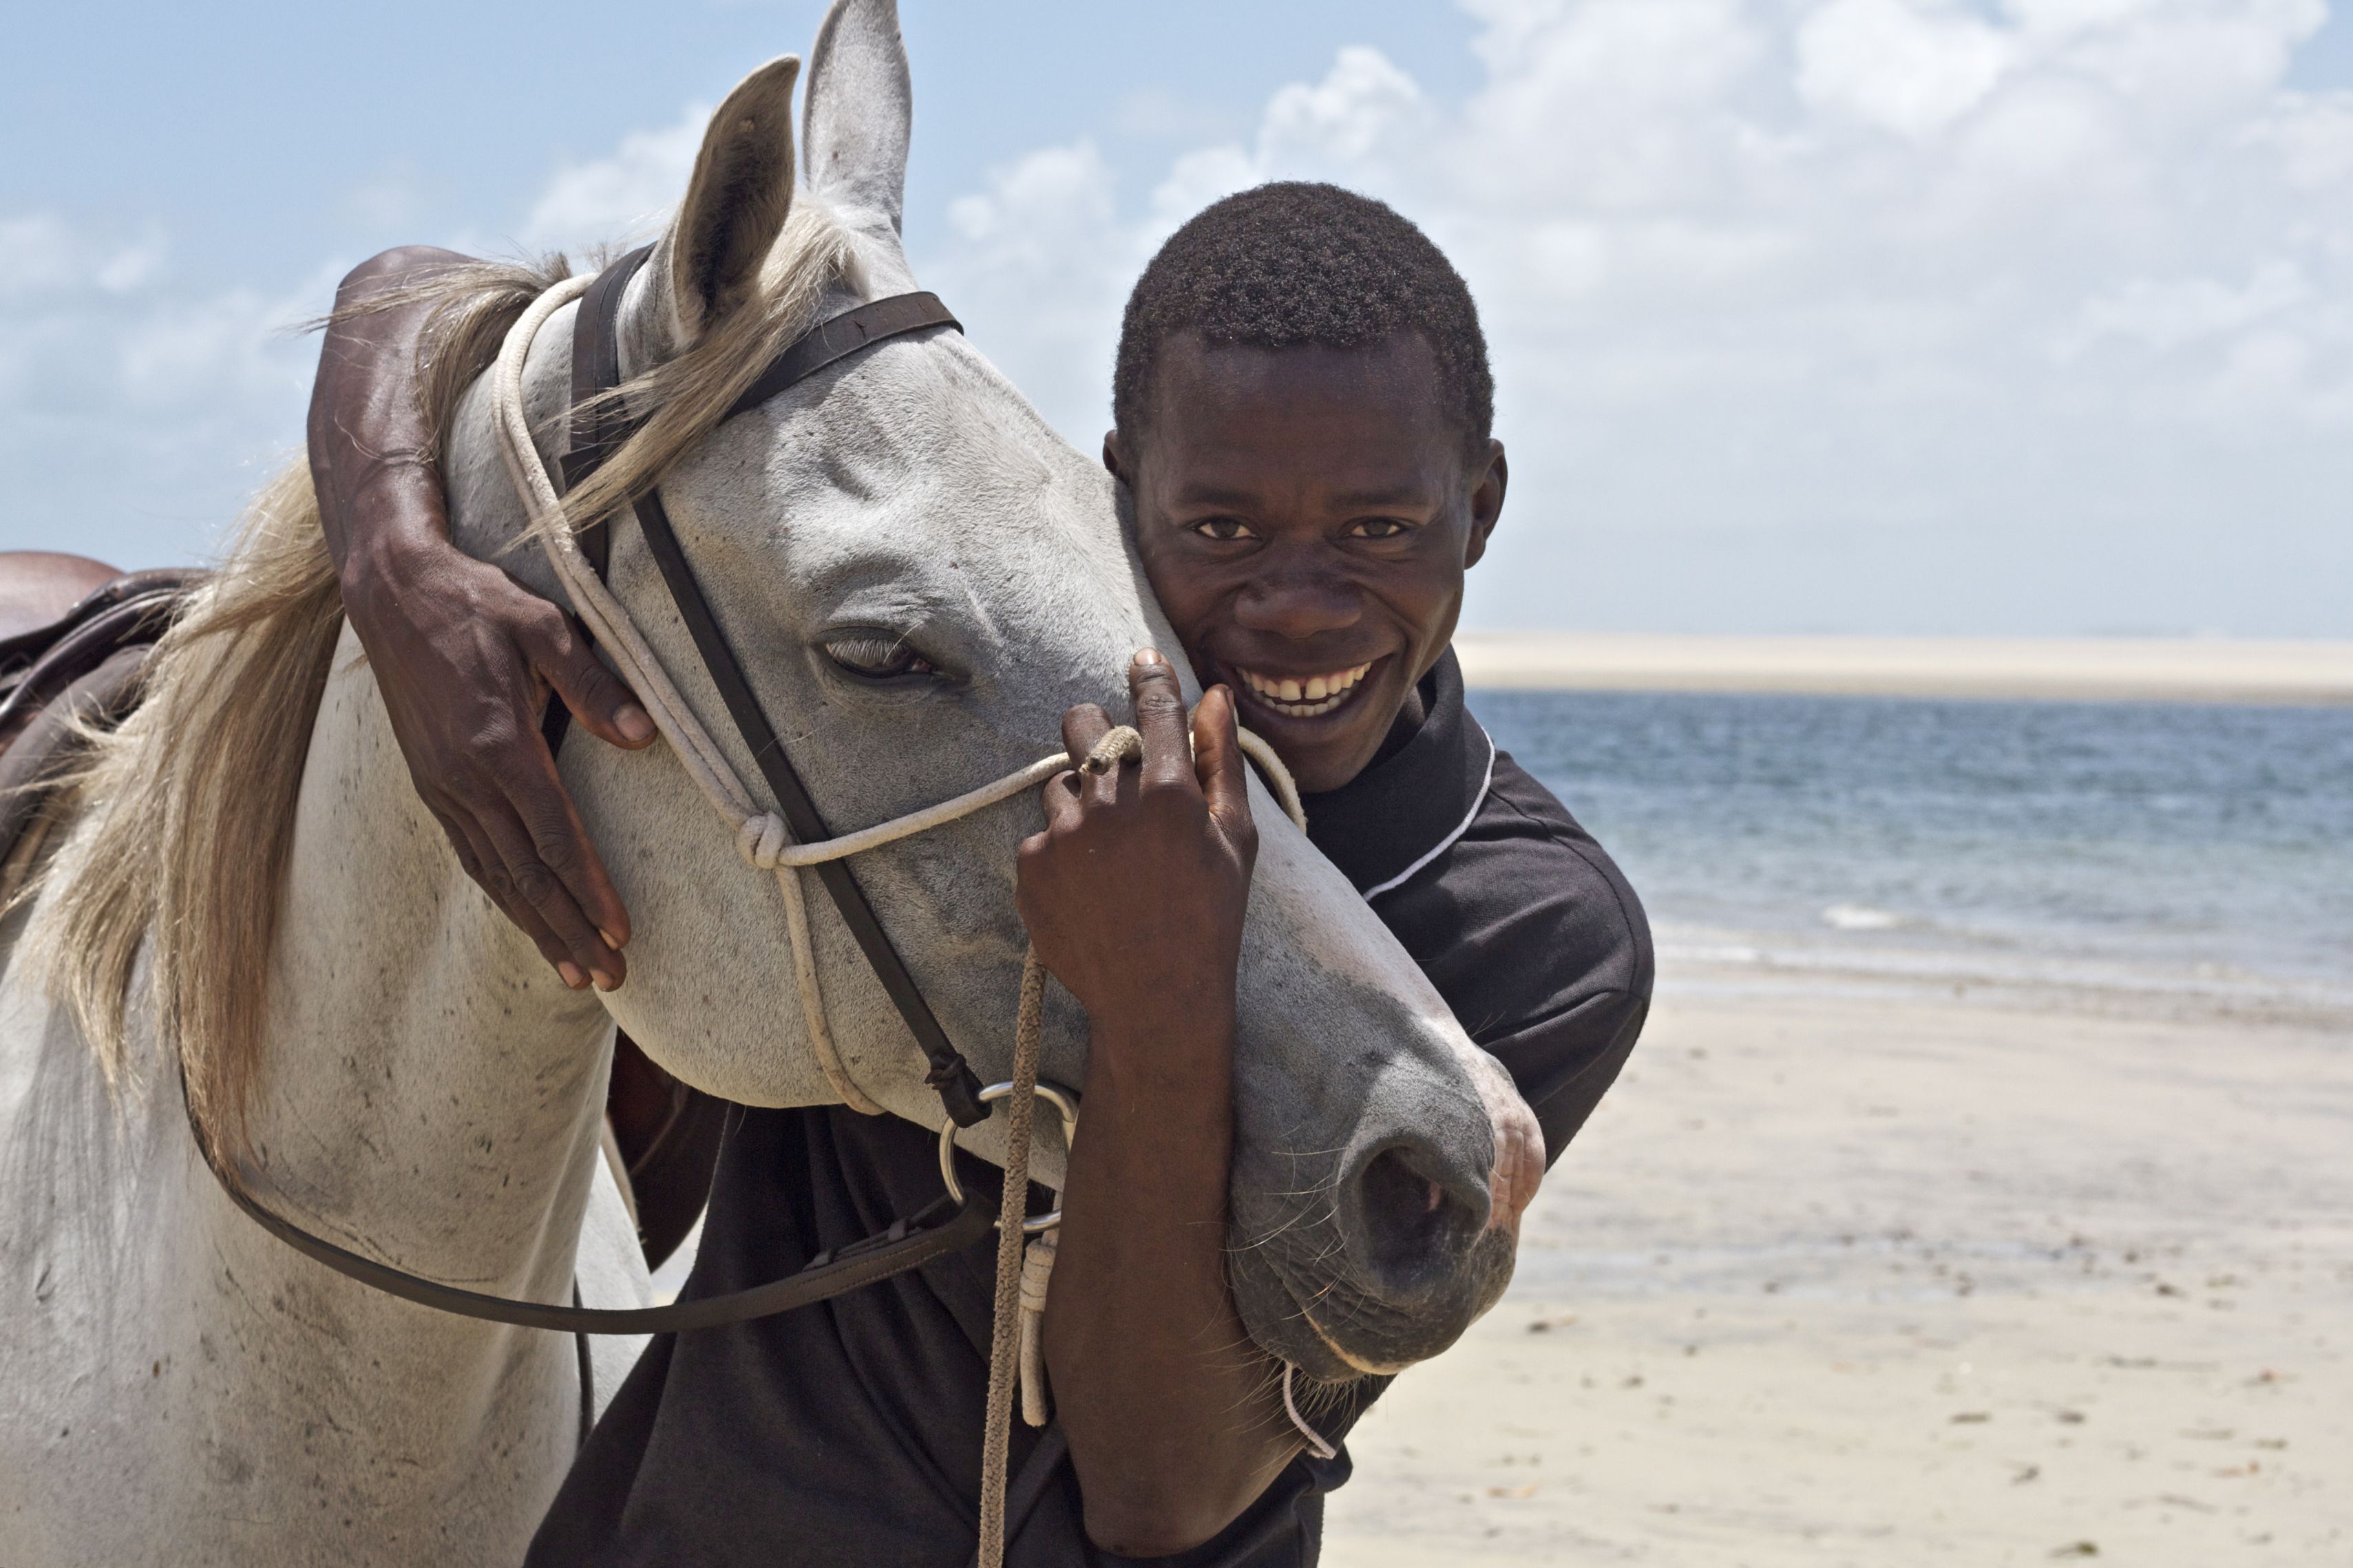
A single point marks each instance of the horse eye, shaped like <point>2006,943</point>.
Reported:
<point>876,658</point>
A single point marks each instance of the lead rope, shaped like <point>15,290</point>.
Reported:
<point>1013,1348</point>
<point>764,841</point>
<point>1013,1207</point>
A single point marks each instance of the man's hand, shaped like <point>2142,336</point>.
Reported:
<point>464,654</point>
<point>1139,883</point>
<point>1134,896</point>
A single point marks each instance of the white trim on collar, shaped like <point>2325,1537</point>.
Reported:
<point>1443,845</point>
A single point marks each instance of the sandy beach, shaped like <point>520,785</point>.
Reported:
<point>2181,670</point>
<point>1848,1272</point>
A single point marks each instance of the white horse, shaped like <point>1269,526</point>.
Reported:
<point>246,896</point>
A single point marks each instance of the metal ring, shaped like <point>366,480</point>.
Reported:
<point>1065,1103</point>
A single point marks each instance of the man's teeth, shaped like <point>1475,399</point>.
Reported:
<point>1304,699</point>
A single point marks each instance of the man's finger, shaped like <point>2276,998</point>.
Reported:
<point>544,891</point>
<point>1160,717</point>
<point>474,854</point>
<point>1083,727</point>
<point>1218,765</point>
<point>603,707</point>
<point>560,838</point>
<point>1061,799</point>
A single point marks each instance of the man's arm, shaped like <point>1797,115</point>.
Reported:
<point>1135,896</point>
<point>464,654</point>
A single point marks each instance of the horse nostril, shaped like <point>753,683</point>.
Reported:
<point>1413,1226</point>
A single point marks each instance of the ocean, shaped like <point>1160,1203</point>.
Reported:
<point>2203,851</point>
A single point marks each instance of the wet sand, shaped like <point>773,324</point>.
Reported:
<point>1854,1274</point>
<point>2188,669</point>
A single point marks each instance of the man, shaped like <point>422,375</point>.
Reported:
<point>1303,406</point>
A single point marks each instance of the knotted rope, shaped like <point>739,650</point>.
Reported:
<point>1036,1274</point>
<point>765,842</point>
<point>1012,1208</point>
<point>1011,1336</point>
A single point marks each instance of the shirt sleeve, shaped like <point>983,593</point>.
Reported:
<point>1538,944</point>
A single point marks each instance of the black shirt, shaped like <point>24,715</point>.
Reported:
<point>849,1432</point>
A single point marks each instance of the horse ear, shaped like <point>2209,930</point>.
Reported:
<point>736,202</point>
<point>860,105</point>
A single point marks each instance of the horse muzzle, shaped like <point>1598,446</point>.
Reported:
<point>1408,1239</point>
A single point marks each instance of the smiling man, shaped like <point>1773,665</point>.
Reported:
<point>1304,413</point>
<point>1302,441</point>
<point>1304,407</point>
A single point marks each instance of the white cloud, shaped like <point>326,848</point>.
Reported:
<point>1042,246</point>
<point>1971,314</point>
<point>1362,111</point>
<point>2313,136</point>
<point>142,408</point>
<point>1908,68</point>
<point>136,410</point>
<point>42,254</point>
<point>2166,315</point>
<point>1781,288</point>
<point>625,198</point>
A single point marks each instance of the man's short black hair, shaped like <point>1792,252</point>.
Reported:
<point>1292,264</point>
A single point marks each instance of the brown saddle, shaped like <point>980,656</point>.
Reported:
<point>75,635</point>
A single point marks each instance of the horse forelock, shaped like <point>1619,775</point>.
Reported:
<point>684,397</point>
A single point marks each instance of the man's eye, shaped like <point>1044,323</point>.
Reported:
<point>1379,528</point>
<point>876,658</point>
<point>1224,528</point>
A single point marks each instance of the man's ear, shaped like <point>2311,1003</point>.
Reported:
<point>855,127</point>
<point>1115,458</point>
<point>735,205</point>
<point>1486,504</point>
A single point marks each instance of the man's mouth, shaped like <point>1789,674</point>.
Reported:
<point>1303,696</point>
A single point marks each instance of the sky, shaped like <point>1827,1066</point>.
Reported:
<point>1901,316</point>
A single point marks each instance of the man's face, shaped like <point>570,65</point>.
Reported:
<point>1305,516</point>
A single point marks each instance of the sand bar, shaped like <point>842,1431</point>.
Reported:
<point>2182,669</point>
<point>1868,1279</point>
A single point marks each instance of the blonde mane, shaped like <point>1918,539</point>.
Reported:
<point>183,814</point>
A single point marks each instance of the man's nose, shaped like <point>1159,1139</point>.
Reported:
<point>1299,602</point>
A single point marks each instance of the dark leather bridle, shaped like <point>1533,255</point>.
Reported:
<point>599,430</point>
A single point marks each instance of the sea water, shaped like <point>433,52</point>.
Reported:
<point>2195,849</point>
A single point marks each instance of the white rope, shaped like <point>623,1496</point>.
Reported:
<point>1279,781</point>
<point>764,841</point>
<point>1012,1208</point>
<point>1036,1274</point>
<point>1316,1444</point>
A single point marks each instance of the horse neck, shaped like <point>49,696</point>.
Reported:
<point>427,1085</point>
